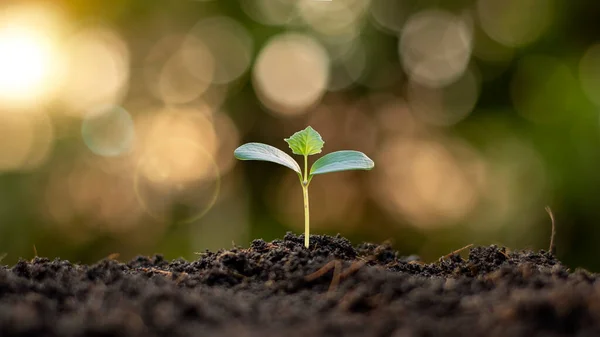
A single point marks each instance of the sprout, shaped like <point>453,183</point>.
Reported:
<point>305,143</point>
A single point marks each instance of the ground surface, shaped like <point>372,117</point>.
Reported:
<point>282,289</point>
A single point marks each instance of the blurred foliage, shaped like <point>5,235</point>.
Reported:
<point>118,121</point>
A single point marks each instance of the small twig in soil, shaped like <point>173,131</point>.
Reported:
<point>552,248</point>
<point>181,277</point>
<point>178,280</point>
<point>338,274</point>
<point>336,265</point>
<point>354,267</point>
<point>455,252</point>
<point>416,262</point>
<point>160,271</point>
<point>35,254</point>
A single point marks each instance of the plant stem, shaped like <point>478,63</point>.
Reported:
<point>306,210</point>
<point>306,216</point>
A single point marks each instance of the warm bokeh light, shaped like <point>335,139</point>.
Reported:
<point>430,182</point>
<point>98,70</point>
<point>339,20</point>
<point>447,105</point>
<point>179,69</point>
<point>435,47</point>
<point>175,156</point>
<point>105,198</point>
<point>229,43</point>
<point>43,142</point>
<point>291,73</point>
<point>25,62</point>
<point>16,140</point>
<point>30,63</point>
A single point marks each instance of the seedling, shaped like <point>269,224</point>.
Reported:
<point>305,143</point>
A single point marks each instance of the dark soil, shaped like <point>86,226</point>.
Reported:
<point>283,289</point>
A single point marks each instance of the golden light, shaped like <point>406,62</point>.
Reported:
<point>98,73</point>
<point>29,58</point>
<point>179,69</point>
<point>291,73</point>
<point>176,170</point>
<point>339,20</point>
<point>435,47</point>
<point>432,182</point>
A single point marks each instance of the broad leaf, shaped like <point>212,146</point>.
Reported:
<point>306,142</point>
<point>342,161</point>
<point>264,152</point>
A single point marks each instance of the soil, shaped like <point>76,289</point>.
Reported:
<point>280,288</point>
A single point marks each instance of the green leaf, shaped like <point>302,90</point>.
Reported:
<point>264,152</point>
<point>306,142</point>
<point>341,161</point>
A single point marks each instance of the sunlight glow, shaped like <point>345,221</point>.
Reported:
<point>26,59</point>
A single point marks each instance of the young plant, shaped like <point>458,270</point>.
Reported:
<point>305,143</point>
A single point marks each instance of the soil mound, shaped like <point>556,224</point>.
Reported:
<point>280,288</point>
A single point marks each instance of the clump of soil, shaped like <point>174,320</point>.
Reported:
<point>280,288</point>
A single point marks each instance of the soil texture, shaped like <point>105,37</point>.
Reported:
<point>281,288</point>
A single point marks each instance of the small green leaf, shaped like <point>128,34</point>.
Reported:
<point>264,152</point>
<point>341,161</point>
<point>306,142</point>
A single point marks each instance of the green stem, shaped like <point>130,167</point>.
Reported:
<point>306,216</point>
<point>306,209</point>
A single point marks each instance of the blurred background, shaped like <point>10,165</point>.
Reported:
<point>118,121</point>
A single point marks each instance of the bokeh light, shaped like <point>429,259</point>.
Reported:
<point>337,20</point>
<point>109,132</point>
<point>348,68</point>
<point>429,182</point>
<point>228,41</point>
<point>515,23</point>
<point>176,163</point>
<point>389,15</point>
<point>178,69</point>
<point>98,70</point>
<point>105,198</point>
<point>270,12</point>
<point>17,139</point>
<point>447,105</point>
<point>30,63</point>
<point>435,47</point>
<point>291,73</point>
